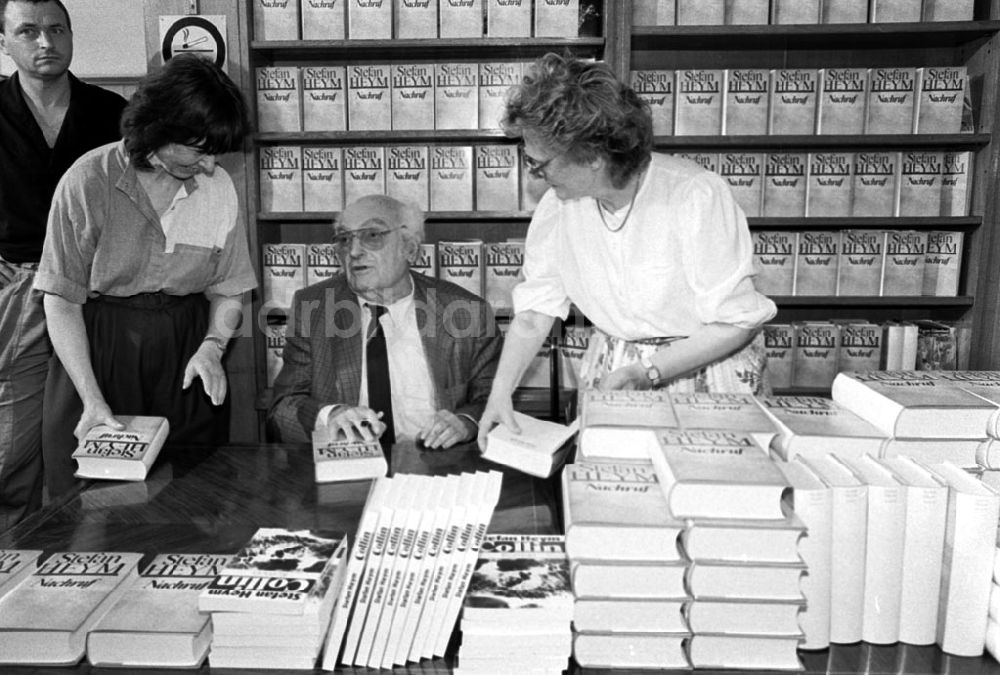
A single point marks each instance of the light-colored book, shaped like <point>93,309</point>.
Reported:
<point>875,182</point>
<point>15,564</point>
<point>461,263</point>
<point>779,346</point>
<point>862,254</point>
<point>747,12</point>
<point>275,20</point>
<point>828,186</point>
<point>813,426</point>
<point>508,18</point>
<point>369,19</point>
<point>940,99</point>
<point>646,615</point>
<point>631,650</point>
<point>816,259</point>
<point>279,105</point>
<point>698,102</point>
<point>497,179</point>
<point>364,171</point>
<point>538,450</point>
<point>557,18</point>
<point>425,261</point>
<point>760,652</point>
<point>746,105</point>
<point>745,617</point>
<point>894,11</point>
<point>456,95</point>
<point>407,174</point>
<point>744,174</point>
<point>844,11</point>
<point>415,20</point>
<point>495,81</point>
<point>460,19</point>
<point>943,263</point>
<point>721,411</point>
<point>743,539</point>
<point>794,96</point>
<point>324,19</point>
<point>121,454</point>
<point>749,580</point>
<point>920,174</point>
<point>656,88</point>
<point>965,452</point>
<point>905,258</point>
<point>774,261</point>
<point>654,12</point>
<point>412,95</point>
<point>629,579</point>
<point>860,345</point>
<point>948,10</point>
<point>284,272</point>
<point>322,178</point>
<point>502,272</point>
<point>451,178</point>
<point>340,459</point>
<point>709,161</point>
<point>274,344</point>
<point>324,96</point>
<point>817,346</point>
<point>795,12</point>
<point>619,424</point>
<point>369,97</point>
<point>322,263</point>
<point>891,100</point>
<point>700,13</point>
<point>280,178</point>
<point>785,185</point>
<point>955,185</point>
<point>843,94</point>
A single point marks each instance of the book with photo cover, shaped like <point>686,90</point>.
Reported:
<point>126,454</point>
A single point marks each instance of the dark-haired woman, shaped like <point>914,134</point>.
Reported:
<point>651,248</point>
<point>144,263</point>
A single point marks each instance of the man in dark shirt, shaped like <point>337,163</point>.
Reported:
<point>48,119</point>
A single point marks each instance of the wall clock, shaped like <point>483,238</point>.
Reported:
<point>198,35</point>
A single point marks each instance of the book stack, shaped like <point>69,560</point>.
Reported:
<point>815,425</point>
<point>518,607</point>
<point>626,566</point>
<point>271,605</point>
<point>407,575</point>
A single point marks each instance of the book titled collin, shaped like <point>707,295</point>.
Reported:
<point>125,454</point>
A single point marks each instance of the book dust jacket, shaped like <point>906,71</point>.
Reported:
<point>364,171</point>
<point>369,104</point>
<point>774,261</point>
<point>322,263</point>
<point>891,101</point>
<point>407,175</point>
<point>744,174</point>
<point>828,187</point>
<point>875,182</point>
<point>324,19</point>
<point>860,346</point>
<point>280,178</point>
<point>324,97</point>
<point>842,99</point>
<point>413,96</point>
<point>278,102</point>
<point>905,257</point>
<point>369,19</point>
<point>779,346</point>
<point>322,178</point>
<point>284,272</point>
<point>451,178</point>
<point>816,347</point>
<point>941,99</point>
<point>816,263</point>
<point>461,262</point>
<point>656,88</point>
<point>943,263</point>
<point>495,80</point>
<point>920,176</point>
<point>793,101</point>
<point>698,104</point>
<point>497,178</point>
<point>785,185</point>
<point>503,271</point>
<point>748,96</point>
<point>862,254</point>
<point>456,95</point>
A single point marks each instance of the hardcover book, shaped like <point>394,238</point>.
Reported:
<point>156,622</point>
<point>745,580</point>
<point>948,10</point>
<point>844,11</point>
<point>324,97</point>
<point>15,564</point>
<point>495,80</point>
<point>629,615</point>
<point>905,258</point>
<point>498,181</point>
<point>617,510</point>
<point>698,102</point>
<point>415,19</point>
<point>44,619</point>
<point>275,20</point>
<point>407,175</point>
<point>762,652</point>
<point>629,579</point>
<point>941,99</point>
<point>126,454</point>
<point>280,178</point>
<point>748,93</point>
<point>875,181</point>
<point>859,271</point>
<point>653,12</point>
<point>274,343</point>
<point>619,423</point>
<point>279,107</point>
<point>539,450</point>
<point>745,617</point>
<point>631,650</point>
<point>828,187</point>
<point>779,346</point>
<point>816,348</point>
<point>943,263</point>
<point>339,459</point>
<point>744,174</point>
<point>369,97</point>
<point>793,100</point>
<point>502,272</point>
<point>860,346</point>
<point>700,13</point>
<point>955,170</point>
<point>656,87</point>
<point>785,185</point>
<point>284,272</point>
<point>324,19</point>
<point>571,348</point>
<point>369,19</point>
<point>747,12</point>
<point>456,95</point>
<point>723,412</point>
<point>451,178</point>
<point>843,94</point>
<point>894,11</point>
<point>461,263</point>
<point>364,171</point>
<point>426,261</point>
<point>322,178</point>
<point>891,100</point>
<point>744,539</point>
<point>816,262</point>
<point>412,96</point>
<point>709,161</point>
<point>920,183</point>
<point>774,261</point>
<point>795,12</point>
<point>460,19</point>
<point>508,18</point>
<point>557,18</point>
<point>813,426</point>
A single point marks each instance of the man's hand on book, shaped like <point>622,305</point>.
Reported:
<point>444,429</point>
<point>355,422</point>
<point>207,364</point>
<point>94,414</point>
<point>499,410</point>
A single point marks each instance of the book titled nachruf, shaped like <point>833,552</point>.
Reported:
<point>276,19</point>
<point>508,18</point>
<point>774,261</point>
<point>451,178</point>
<point>284,272</point>
<point>748,95</point>
<point>891,100</point>
<point>698,102</point>
<point>557,18</point>
<point>746,12</point>
<point>875,180</point>
<point>709,161</point>
<point>828,186</point>
<point>324,98</point>
<point>412,96</point>
<point>744,174</point>
<point>785,12</point>
<point>495,80</point>
<point>278,102</point>
<point>816,347</point>
<point>785,185</point>
<point>460,19</point>
<point>949,10</point>
<point>324,19</point>
<point>364,171</point>
<point>844,11</point>
<point>456,95</point>
<point>461,263</point>
<point>415,19</point>
<point>905,257</point>
<point>779,347</point>
<point>274,347</point>
<point>862,253</point>
<point>860,346</point>
<point>502,272</point>
<point>407,174</point>
<point>322,263</point>
<point>843,94</point>
<point>656,88</point>
<point>920,183</point>
<point>280,178</point>
<point>425,261</point>
<point>793,101</point>
<point>895,11</point>
<point>369,19</point>
<point>955,170</point>
<point>369,101</point>
<point>322,178</point>
<point>497,178</point>
<point>700,13</point>
<point>941,99</point>
<point>816,261</point>
<point>943,263</point>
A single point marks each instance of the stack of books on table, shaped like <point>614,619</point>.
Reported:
<point>271,605</point>
<point>742,543</point>
<point>814,426</point>
<point>518,607</point>
<point>626,567</point>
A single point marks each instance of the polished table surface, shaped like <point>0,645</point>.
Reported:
<point>213,499</point>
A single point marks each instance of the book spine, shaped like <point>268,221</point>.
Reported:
<point>366,588</point>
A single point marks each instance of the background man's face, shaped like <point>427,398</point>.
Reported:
<point>373,273</point>
<point>37,38</point>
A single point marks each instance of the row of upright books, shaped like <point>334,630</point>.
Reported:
<point>385,19</point>
<point>785,12</point>
<point>434,178</point>
<point>858,262</point>
<point>749,101</point>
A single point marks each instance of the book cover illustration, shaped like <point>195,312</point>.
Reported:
<point>521,572</point>
<point>412,96</point>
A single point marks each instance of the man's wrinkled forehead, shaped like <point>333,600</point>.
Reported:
<point>363,219</point>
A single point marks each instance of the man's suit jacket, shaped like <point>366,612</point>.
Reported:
<point>322,355</point>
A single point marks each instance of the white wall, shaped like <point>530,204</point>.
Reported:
<point>108,39</point>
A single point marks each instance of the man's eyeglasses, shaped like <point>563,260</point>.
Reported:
<point>370,238</point>
<point>534,167</point>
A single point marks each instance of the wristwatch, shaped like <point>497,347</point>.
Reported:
<point>652,372</point>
